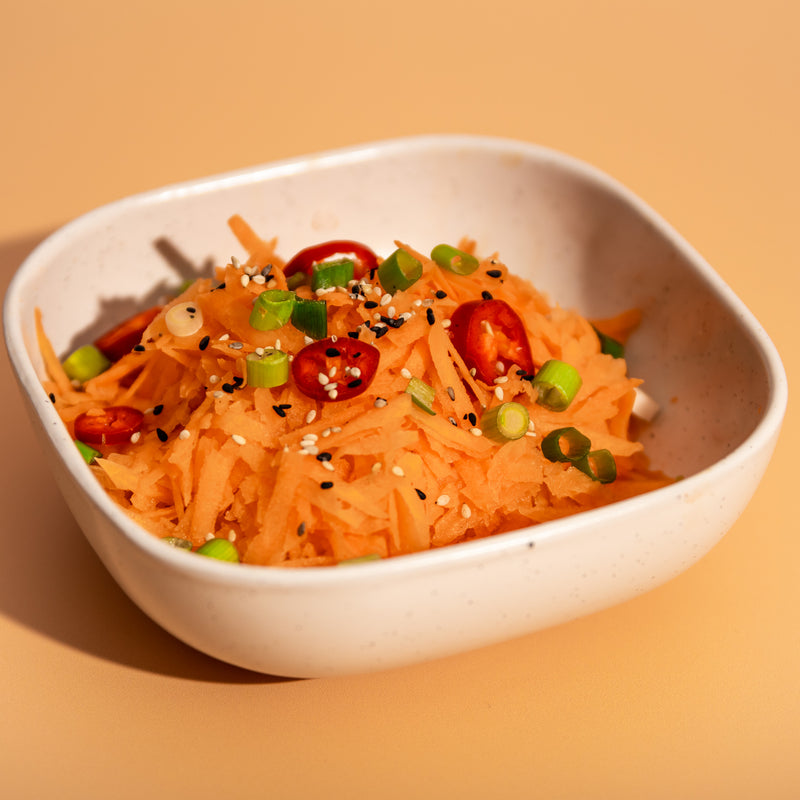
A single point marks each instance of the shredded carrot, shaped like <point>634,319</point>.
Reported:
<point>295,481</point>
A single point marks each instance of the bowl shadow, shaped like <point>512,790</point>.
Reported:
<point>51,581</point>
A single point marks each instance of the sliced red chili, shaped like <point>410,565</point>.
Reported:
<point>364,257</point>
<point>112,425</point>
<point>487,333</point>
<point>120,340</point>
<point>355,366</point>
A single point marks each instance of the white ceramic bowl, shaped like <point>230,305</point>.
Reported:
<point>578,235</point>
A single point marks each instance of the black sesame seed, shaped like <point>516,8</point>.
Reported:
<point>441,294</point>
<point>285,406</point>
<point>353,334</point>
<point>367,323</point>
<point>451,393</point>
<point>139,348</point>
<point>228,387</point>
<point>354,383</point>
<point>473,420</point>
<point>267,270</point>
<point>237,380</point>
<point>380,331</point>
<point>387,320</point>
<point>279,411</point>
<point>332,352</point>
<point>204,342</point>
<point>372,272</point>
<point>324,456</point>
<point>162,434</point>
<point>52,397</point>
<point>494,273</point>
<point>370,304</point>
<point>420,494</point>
<point>158,409</point>
<point>487,295</point>
<point>326,485</point>
<point>191,310</point>
<point>221,286</point>
<point>431,316</point>
<point>301,529</point>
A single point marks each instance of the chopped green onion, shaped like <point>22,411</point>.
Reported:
<point>331,273</point>
<point>311,317</point>
<point>84,363</point>
<point>89,453</point>
<point>577,444</point>
<point>557,384</point>
<point>450,258</point>
<point>176,541</point>
<point>297,279</point>
<point>421,394</point>
<point>272,309</point>
<point>599,465</point>
<point>610,346</point>
<point>399,271</point>
<point>359,559</point>
<point>267,370</point>
<point>220,549</point>
<point>505,422</point>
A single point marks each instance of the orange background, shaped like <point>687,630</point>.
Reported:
<point>692,691</point>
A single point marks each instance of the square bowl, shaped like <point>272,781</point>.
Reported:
<point>586,241</point>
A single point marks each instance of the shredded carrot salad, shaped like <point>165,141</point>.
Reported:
<point>293,480</point>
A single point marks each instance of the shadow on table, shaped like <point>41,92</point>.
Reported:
<point>50,579</point>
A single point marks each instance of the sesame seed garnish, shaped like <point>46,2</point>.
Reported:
<point>322,378</point>
<point>209,536</point>
<point>453,421</point>
<point>231,535</point>
<point>487,327</point>
<point>259,279</point>
<point>244,280</point>
<point>158,409</point>
<point>332,352</point>
<point>333,393</point>
<point>391,311</point>
<point>326,485</point>
<point>184,434</point>
<point>326,432</point>
<point>235,262</point>
<point>311,415</point>
<point>487,295</point>
<point>52,397</point>
<point>370,304</point>
<point>421,494</point>
<point>307,340</point>
<point>135,437</point>
<point>476,431</point>
<point>355,372</point>
<point>229,388</point>
<point>310,437</point>
<point>377,466</point>
<point>204,342</point>
<point>451,393</point>
<point>406,373</point>
<point>327,465</point>
<point>442,499</point>
<point>445,323</point>
<point>224,337</point>
<point>501,379</point>
<point>500,367</point>
<point>386,299</point>
<point>332,371</point>
<point>213,379</point>
<point>330,386</point>
<point>324,456</point>
<point>279,411</point>
<point>239,439</point>
<point>417,303</point>
<point>440,294</point>
<point>498,393</point>
<point>310,449</point>
<point>236,345</point>
<point>218,394</point>
<point>380,402</point>
<point>494,273</point>
<point>398,471</point>
<point>430,316</point>
<point>356,382</point>
<point>139,348</point>
<point>473,420</point>
<point>466,511</point>
<point>301,529</point>
<point>162,434</point>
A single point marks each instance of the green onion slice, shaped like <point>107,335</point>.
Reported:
<point>599,465</point>
<point>311,317</point>
<point>297,279</point>
<point>89,453</point>
<point>505,422</point>
<point>610,346</point>
<point>221,549</point>
<point>84,363</point>
<point>557,384</point>
<point>272,309</point>
<point>577,445</point>
<point>331,273</point>
<point>176,541</point>
<point>421,394</point>
<point>399,271</point>
<point>267,370</point>
<point>454,260</point>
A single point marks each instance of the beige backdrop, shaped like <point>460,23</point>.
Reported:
<point>691,691</point>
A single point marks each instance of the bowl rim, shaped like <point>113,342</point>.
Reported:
<point>474,551</point>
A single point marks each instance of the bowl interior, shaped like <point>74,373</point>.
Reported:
<point>577,235</point>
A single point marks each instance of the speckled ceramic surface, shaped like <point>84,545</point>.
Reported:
<point>580,237</point>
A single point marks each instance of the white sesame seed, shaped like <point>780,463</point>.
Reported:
<point>500,367</point>
<point>333,393</point>
<point>135,437</point>
<point>327,465</point>
<point>376,467</point>
<point>487,327</point>
<point>272,283</point>
<point>376,316</point>
<point>209,537</point>
<point>235,262</point>
<point>386,299</point>
<point>377,290</point>
<point>380,402</point>
<point>466,511</point>
<point>231,535</point>
<point>219,395</point>
<point>213,379</point>
<point>530,433</point>
<point>260,279</point>
<point>398,471</point>
<point>445,323</point>
<point>322,378</point>
<point>391,311</point>
<point>498,393</point>
<point>224,337</point>
<point>332,371</point>
<point>406,373</point>
<point>501,379</point>
<point>442,499</point>
<point>473,372</point>
<point>310,448</point>
<point>406,315</point>
<point>334,337</point>
<point>476,431</point>
<point>326,432</point>
<point>244,280</point>
<point>239,439</point>
<point>311,416</point>
<point>417,303</point>
<point>277,344</point>
<point>355,372</point>
<point>330,386</point>
<point>184,434</point>
<point>310,437</point>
